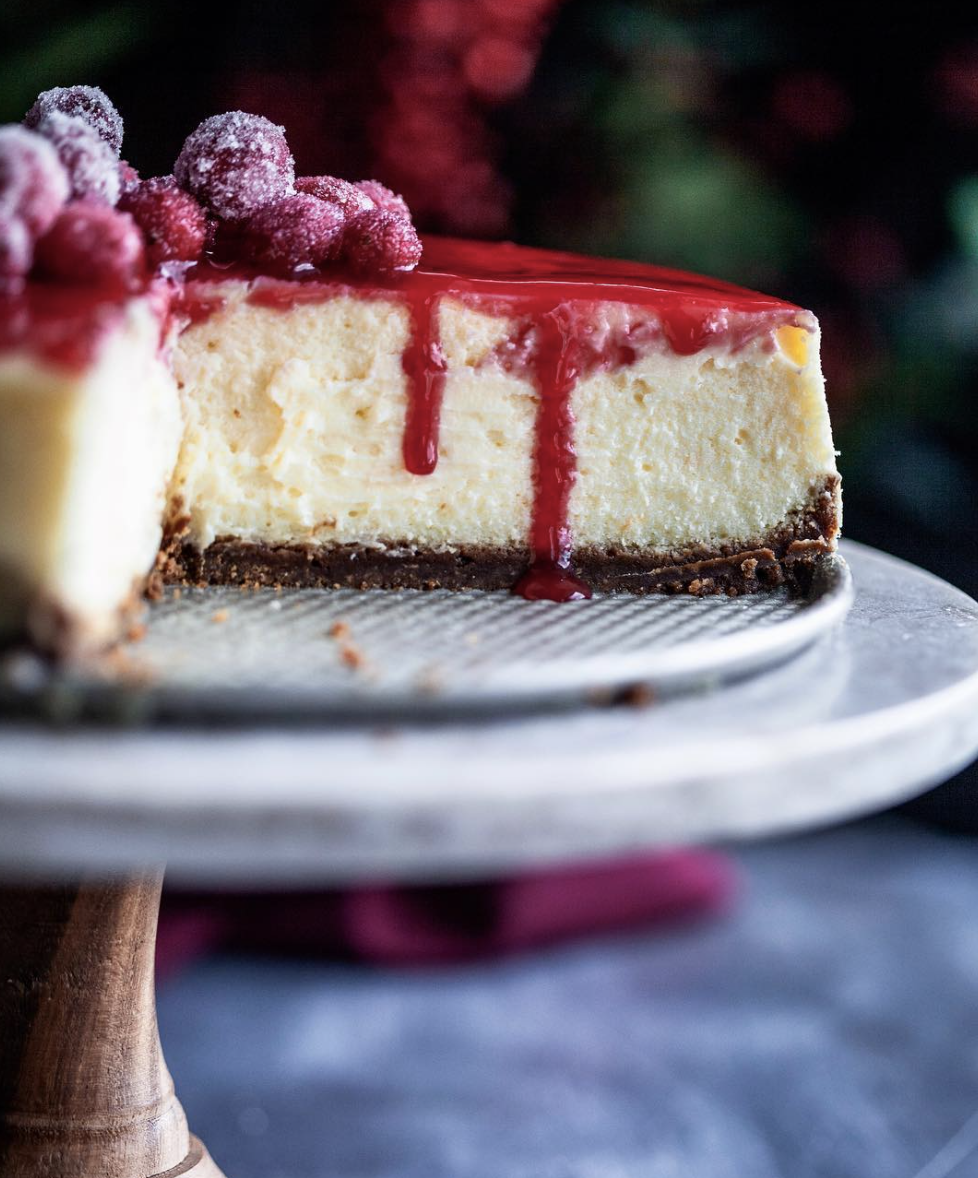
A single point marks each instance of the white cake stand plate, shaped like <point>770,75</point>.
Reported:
<point>880,706</point>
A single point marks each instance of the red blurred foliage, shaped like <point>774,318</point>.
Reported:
<point>410,100</point>
<point>813,104</point>
<point>865,252</point>
<point>956,84</point>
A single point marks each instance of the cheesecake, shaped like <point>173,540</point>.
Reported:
<point>290,388</point>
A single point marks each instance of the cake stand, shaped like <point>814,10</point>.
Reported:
<point>884,704</point>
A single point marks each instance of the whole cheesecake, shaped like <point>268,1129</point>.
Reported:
<point>491,417</point>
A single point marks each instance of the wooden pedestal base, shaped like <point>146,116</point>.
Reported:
<point>84,1090</point>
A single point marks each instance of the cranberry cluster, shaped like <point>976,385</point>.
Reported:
<point>241,170</point>
<point>60,180</point>
<point>72,211</point>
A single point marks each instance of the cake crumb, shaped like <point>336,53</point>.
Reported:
<point>701,586</point>
<point>136,632</point>
<point>637,695</point>
<point>749,567</point>
<point>352,656</point>
<point>339,629</point>
<point>219,616</point>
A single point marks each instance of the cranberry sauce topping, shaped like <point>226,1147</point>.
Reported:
<point>554,342</point>
<point>424,365</point>
<point>63,325</point>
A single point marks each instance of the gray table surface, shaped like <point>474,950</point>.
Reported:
<point>827,1028</point>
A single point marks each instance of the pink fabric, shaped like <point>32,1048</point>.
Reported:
<point>411,925</point>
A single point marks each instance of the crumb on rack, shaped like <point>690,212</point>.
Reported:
<point>352,656</point>
<point>219,616</point>
<point>339,629</point>
<point>136,632</point>
<point>637,695</point>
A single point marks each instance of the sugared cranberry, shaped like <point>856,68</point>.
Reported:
<point>234,163</point>
<point>33,183</point>
<point>293,231</point>
<point>128,178</point>
<point>384,198</point>
<point>92,245</point>
<point>350,199</point>
<point>16,252</point>
<point>174,224</point>
<point>91,164</point>
<point>88,103</point>
<point>379,242</point>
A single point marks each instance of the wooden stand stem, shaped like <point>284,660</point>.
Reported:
<point>84,1089</point>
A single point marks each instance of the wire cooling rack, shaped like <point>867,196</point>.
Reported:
<point>231,653</point>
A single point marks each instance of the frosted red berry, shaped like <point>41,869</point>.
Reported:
<point>16,252</point>
<point>33,182</point>
<point>92,245</point>
<point>234,163</point>
<point>173,223</point>
<point>91,164</point>
<point>128,178</point>
<point>380,242</point>
<point>88,103</point>
<point>384,197</point>
<point>293,231</point>
<point>347,196</point>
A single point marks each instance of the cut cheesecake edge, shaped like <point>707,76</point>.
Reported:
<point>86,456</point>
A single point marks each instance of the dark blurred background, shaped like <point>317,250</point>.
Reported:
<point>826,153</point>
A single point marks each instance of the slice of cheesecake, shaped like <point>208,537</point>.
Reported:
<point>90,426</point>
<point>499,417</point>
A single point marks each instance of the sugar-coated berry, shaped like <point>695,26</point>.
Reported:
<point>384,198</point>
<point>16,253</point>
<point>33,182</point>
<point>379,242</point>
<point>173,223</point>
<point>349,197</point>
<point>234,163</point>
<point>92,245</point>
<point>293,231</point>
<point>88,103</point>
<point>91,164</point>
<point>128,178</point>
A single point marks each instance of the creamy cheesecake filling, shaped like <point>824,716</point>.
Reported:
<point>85,459</point>
<point>296,418</point>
